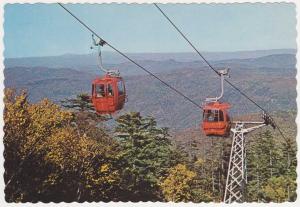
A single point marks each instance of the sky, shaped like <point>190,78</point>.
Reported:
<point>48,30</point>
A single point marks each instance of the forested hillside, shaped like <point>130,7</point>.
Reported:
<point>58,154</point>
<point>56,150</point>
<point>270,80</point>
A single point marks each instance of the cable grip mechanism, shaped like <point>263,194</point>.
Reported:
<point>100,43</point>
<point>268,120</point>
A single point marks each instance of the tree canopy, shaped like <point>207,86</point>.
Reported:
<point>55,153</point>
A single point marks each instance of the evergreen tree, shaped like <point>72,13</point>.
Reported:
<point>86,120</point>
<point>82,102</point>
<point>146,155</point>
<point>260,164</point>
<point>212,169</point>
<point>289,167</point>
<point>271,170</point>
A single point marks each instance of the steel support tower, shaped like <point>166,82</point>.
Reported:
<point>236,174</point>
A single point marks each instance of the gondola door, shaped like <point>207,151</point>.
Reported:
<point>99,97</point>
<point>120,89</point>
<point>111,96</point>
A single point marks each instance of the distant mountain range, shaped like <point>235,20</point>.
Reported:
<point>266,76</point>
<point>89,61</point>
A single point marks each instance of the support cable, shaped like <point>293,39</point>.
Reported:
<point>210,66</point>
<point>150,73</point>
<point>124,55</point>
<point>131,60</point>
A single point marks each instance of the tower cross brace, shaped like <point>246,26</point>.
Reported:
<point>236,174</point>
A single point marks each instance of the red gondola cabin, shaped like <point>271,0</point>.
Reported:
<point>216,121</point>
<point>108,94</point>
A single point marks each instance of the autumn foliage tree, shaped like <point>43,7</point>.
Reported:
<point>47,159</point>
<point>55,153</point>
<point>177,186</point>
